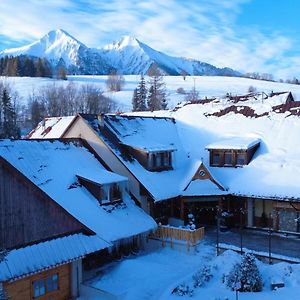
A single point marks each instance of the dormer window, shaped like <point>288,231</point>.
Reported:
<point>114,193</point>
<point>216,159</point>
<point>153,158</point>
<point>93,187</point>
<point>159,160</point>
<point>228,158</point>
<point>241,159</point>
<point>234,152</point>
<point>106,193</point>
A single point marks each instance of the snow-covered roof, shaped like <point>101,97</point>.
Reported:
<point>273,172</point>
<point>206,187</point>
<point>53,166</point>
<point>149,134</point>
<point>148,146</point>
<point>51,128</point>
<point>135,130</point>
<point>101,176</point>
<point>236,123</point>
<point>48,254</point>
<point>235,143</point>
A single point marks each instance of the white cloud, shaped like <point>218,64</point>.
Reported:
<point>204,30</point>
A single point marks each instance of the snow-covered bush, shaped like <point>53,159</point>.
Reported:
<point>183,289</point>
<point>246,274</point>
<point>202,276</point>
<point>181,90</point>
<point>191,222</point>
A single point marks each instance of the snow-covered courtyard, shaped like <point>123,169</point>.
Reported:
<point>156,274</point>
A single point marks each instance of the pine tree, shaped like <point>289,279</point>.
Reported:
<point>135,100</point>
<point>8,125</point>
<point>61,74</point>
<point>40,69</point>
<point>156,99</point>
<point>247,274</point>
<point>142,94</point>
<point>151,99</point>
<point>28,69</point>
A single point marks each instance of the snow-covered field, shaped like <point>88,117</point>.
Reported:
<point>156,274</point>
<point>207,86</point>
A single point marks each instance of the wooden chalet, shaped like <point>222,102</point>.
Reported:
<point>183,166</point>
<point>60,212</point>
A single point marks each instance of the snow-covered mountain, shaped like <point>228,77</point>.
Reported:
<point>128,56</point>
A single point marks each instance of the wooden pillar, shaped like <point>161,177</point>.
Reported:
<point>151,206</point>
<point>172,208</point>
<point>182,209</point>
<point>250,210</point>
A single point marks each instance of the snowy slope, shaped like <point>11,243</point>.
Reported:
<point>128,56</point>
<point>208,86</point>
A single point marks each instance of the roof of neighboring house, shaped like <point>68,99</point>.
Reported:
<point>49,254</point>
<point>273,172</point>
<point>50,128</point>
<point>53,166</point>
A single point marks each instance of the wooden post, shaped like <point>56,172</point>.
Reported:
<point>182,209</point>
<point>172,208</point>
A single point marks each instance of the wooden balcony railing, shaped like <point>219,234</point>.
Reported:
<point>171,234</point>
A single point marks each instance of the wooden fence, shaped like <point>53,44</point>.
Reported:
<point>169,233</point>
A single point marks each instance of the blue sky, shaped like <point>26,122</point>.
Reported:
<point>247,35</point>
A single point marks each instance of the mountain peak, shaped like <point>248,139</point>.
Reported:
<point>125,41</point>
<point>59,35</point>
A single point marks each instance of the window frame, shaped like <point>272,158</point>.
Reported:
<point>39,284</point>
<point>44,283</point>
<point>213,154</point>
<point>52,281</point>
<point>115,188</point>
<point>244,154</point>
<point>161,160</point>
<point>231,154</point>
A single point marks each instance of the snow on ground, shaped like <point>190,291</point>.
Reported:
<point>156,274</point>
<point>207,86</point>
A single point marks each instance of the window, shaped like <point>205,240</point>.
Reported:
<point>115,193</point>
<point>94,188</point>
<point>241,159</point>
<point>52,283</point>
<point>216,159</point>
<point>228,159</point>
<point>160,160</point>
<point>39,288</point>
<point>45,285</point>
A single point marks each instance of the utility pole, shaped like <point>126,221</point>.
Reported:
<point>218,229</point>
<point>241,227</point>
